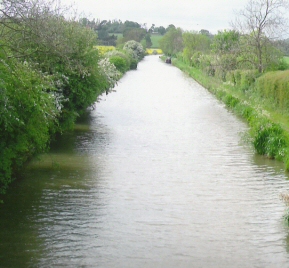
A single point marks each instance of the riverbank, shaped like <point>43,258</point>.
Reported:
<point>269,128</point>
<point>38,104</point>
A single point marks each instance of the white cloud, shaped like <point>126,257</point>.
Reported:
<point>212,15</point>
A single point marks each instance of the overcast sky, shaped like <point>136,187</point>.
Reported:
<point>212,15</point>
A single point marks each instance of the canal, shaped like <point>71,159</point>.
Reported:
<point>156,175</point>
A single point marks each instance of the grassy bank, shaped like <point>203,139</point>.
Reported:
<point>269,124</point>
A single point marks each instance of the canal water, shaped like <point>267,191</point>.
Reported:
<point>157,175</point>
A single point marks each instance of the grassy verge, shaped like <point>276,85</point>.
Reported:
<point>269,127</point>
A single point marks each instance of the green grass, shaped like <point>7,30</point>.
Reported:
<point>286,59</point>
<point>155,40</point>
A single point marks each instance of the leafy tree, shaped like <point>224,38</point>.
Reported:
<point>148,40</point>
<point>136,48</point>
<point>195,42</point>
<point>206,33</point>
<point>161,30</point>
<point>260,23</point>
<point>171,26</point>
<point>28,115</point>
<point>152,28</point>
<point>131,24</point>
<point>49,73</point>
<point>226,42</point>
<point>136,34</point>
<point>226,46</point>
<point>136,51</point>
<point>172,42</point>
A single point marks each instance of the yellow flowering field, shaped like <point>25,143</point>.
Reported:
<point>152,51</point>
<point>104,49</point>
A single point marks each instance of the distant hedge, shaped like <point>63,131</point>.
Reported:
<point>275,87</point>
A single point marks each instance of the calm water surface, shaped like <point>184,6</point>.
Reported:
<point>156,176</point>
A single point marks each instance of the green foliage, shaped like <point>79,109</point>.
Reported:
<point>283,64</point>
<point>135,50</point>
<point>246,78</point>
<point>155,38</point>
<point>136,34</point>
<point>230,101</point>
<point>270,140</point>
<point>51,75</point>
<point>225,42</point>
<point>148,41</point>
<point>207,65</point>
<point>243,79</point>
<point>172,41</point>
<point>120,63</point>
<point>196,59</point>
<point>125,62</point>
<point>110,73</point>
<point>195,42</point>
<point>274,86</point>
<point>28,113</point>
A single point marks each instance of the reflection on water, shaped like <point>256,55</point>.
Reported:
<point>155,176</point>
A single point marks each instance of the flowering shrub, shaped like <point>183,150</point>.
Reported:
<point>110,72</point>
<point>28,116</point>
<point>121,60</point>
<point>135,49</point>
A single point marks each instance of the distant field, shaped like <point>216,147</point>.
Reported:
<point>155,40</point>
<point>152,51</point>
<point>154,37</point>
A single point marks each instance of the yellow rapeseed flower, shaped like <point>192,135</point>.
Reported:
<point>153,51</point>
<point>104,49</point>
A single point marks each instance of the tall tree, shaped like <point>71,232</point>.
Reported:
<point>195,42</point>
<point>261,22</point>
<point>136,34</point>
<point>172,42</point>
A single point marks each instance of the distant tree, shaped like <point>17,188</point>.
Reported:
<point>171,26</point>
<point>151,29</point>
<point>148,40</point>
<point>226,46</point>
<point>205,32</point>
<point>136,52</point>
<point>261,22</point>
<point>161,30</point>
<point>136,34</point>
<point>172,41</point>
<point>102,34</point>
<point>131,24</point>
<point>195,42</point>
<point>84,22</point>
<point>226,42</point>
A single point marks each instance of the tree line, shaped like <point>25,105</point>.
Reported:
<point>108,31</point>
<point>255,41</point>
<point>50,73</point>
